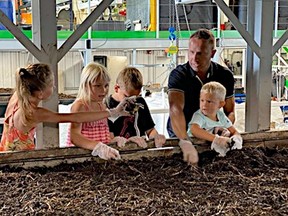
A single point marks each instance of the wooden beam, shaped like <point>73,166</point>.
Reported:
<point>56,156</point>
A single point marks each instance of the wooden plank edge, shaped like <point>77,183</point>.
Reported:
<point>56,156</point>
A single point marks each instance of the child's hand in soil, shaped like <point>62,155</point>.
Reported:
<point>105,152</point>
<point>221,145</point>
<point>238,142</point>
<point>159,140</point>
<point>140,141</point>
<point>121,141</point>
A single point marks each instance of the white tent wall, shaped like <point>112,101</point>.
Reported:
<point>69,68</point>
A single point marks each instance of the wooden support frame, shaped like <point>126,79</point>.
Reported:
<point>57,156</point>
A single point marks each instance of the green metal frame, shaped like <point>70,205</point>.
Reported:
<point>5,34</point>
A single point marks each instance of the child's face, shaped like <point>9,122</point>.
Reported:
<point>123,93</point>
<point>99,90</point>
<point>48,91</point>
<point>209,104</point>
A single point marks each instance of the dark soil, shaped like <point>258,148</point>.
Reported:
<point>247,182</point>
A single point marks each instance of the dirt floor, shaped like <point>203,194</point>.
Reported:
<point>247,182</point>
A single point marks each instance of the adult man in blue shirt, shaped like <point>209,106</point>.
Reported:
<point>184,85</point>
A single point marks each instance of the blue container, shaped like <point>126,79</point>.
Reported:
<point>284,110</point>
<point>240,98</point>
<point>7,8</point>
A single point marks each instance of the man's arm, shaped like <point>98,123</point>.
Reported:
<point>176,104</point>
<point>229,108</point>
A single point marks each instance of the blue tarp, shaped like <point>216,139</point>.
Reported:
<point>7,8</point>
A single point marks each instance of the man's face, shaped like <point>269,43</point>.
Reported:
<point>199,54</point>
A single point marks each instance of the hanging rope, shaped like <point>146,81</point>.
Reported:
<point>172,49</point>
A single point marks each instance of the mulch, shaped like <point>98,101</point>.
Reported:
<point>6,90</point>
<point>9,91</point>
<point>252,181</point>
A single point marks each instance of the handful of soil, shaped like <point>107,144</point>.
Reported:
<point>132,108</point>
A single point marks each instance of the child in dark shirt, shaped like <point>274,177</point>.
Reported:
<point>134,128</point>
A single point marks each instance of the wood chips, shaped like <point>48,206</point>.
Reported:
<point>253,181</point>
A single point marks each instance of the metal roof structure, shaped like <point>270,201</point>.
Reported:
<point>259,37</point>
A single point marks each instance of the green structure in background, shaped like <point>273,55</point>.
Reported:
<point>4,34</point>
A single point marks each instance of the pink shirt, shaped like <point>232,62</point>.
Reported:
<point>96,130</point>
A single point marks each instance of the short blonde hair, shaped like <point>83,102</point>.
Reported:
<point>216,89</point>
<point>130,78</point>
<point>90,73</point>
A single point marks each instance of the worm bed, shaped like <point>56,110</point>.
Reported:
<point>251,181</point>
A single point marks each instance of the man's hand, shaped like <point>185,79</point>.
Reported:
<point>190,154</point>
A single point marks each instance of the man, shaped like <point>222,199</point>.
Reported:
<point>184,85</point>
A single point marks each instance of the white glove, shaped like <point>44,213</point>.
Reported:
<point>120,109</point>
<point>105,152</point>
<point>238,142</point>
<point>222,131</point>
<point>190,154</point>
<point>140,141</point>
<point>120,141</point>
<point>221,145</point>
<point>159,140</point>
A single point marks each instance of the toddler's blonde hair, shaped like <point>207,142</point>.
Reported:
<point>216,89</point>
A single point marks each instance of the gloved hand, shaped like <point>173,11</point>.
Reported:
<point>120,141</point>
<point>221,145</point>
<point>140,141</point>
<point>222,131</point>
<point>105,152</point>
<point>120,109</point>
<point>159,140</point>
<point>190,154</point>
<point>238,142</point>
